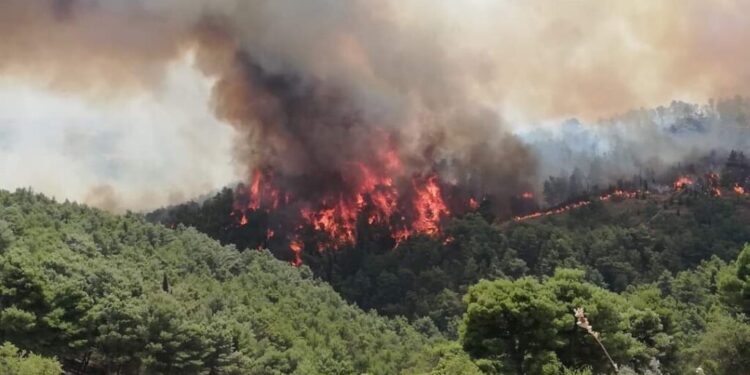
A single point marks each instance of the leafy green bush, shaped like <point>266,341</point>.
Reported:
<point>16,362</point>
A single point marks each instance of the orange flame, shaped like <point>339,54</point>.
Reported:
<point>473,204</point>
<point>370,194</point>
<point>296,248</point>
<point>448,240</point>
<point>337,221</point>
<point>682,183</point>
<point>739,189</point>
<point>712,180</point>
<point>255,192</point>
<point>261,194</point>
<point>429,205</point>
<point>556,211</point>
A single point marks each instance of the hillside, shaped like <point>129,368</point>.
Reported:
<point>618,242</point>
<point>633,240</point>
<point>107,294</point>
<point>115,294</point>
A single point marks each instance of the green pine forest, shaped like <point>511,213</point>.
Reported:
<point>665,286</point>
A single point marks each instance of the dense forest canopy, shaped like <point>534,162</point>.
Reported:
<point>655,272</point>
<point>98,293</point>
<point>115,294</point>
<point>663,280</point>
<point>626,240</point>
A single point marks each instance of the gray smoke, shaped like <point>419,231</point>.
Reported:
<point>311,85</point>
<point>650,143</point>
<point>312,88</point>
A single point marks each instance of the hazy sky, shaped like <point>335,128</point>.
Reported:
<point>134,152</point>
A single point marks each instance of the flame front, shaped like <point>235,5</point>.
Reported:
<point>378,196</point>
<point>622,194</point>
<point>296,248</point>
<point>429,205</point>
<point>261,194</point>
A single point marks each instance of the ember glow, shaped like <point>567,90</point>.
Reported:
<point>473,204</point>
<point>296,248</point>
<point>739,189</point>
<point>682,182</point>
<point>712,182</point>
<point>708,183</point>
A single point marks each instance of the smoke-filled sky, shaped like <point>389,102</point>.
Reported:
<point>136,153</point>
<point>139,103</point>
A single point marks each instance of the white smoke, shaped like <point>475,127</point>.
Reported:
<point>138,153</point>
<point>645,142</point>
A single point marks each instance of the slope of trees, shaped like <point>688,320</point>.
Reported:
<point>617,244</point>
<point>115,294</point>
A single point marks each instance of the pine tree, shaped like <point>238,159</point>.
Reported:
<point>165,284</point>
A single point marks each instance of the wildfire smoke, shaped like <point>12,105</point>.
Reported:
<point>386,112</point>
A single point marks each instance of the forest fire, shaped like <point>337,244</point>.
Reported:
<point>381,198</point>
<point>429,206</point>
<point>622,194</point>
<point>682,183</point>
<point>405,209</point>
<point>296,248</point>
<point>473,204</point>
<point>712,182</point>
<point>709,183</point>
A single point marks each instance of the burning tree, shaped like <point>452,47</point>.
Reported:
<point>366,196</point>
<point>736,171</point>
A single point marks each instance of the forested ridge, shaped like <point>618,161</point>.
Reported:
<point>648,268</point>
<point>96,293</point>
<point>115,294</point>
<point>617,244</point>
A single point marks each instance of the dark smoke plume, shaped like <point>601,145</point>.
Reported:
<point>311,85</point>
<point>313,88</point>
